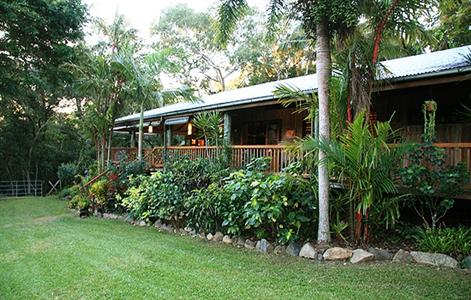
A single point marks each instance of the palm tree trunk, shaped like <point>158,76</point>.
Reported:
<point>141,133</point>
<point>323,78</point>
<point>110,141</point>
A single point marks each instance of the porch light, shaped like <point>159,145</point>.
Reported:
<point>151,128</point>
<point>190,129</point>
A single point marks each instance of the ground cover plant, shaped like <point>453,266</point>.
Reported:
<point>46,252</point>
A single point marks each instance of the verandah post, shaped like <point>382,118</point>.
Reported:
<point>227,128</point>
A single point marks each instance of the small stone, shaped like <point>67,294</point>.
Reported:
<point>466,263</point>
<point>403,256</point>
<point>249,244</point>
<point>263,246</point>
<point>293,249</point>
<point>209,236</point>
<point>167,228</point>
<point>158,224</point>
<point>227,239</point>
<point>320,257</point>
<point>381,254</point>
<point>279,249</point>
<point>240,242</point>
<point>218,236</point>
<point>337,253</point>
<point>360,255</point>
<point>141,223</point>
<point>308,251</point>
<point>434,259</point>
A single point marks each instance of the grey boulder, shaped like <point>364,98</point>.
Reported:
<point>434,259</point>
<point>360,256</point>
<point>403,256</point>
<point>308,251</point>
<point>293,249</point>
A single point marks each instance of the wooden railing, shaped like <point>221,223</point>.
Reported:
<point>242,154</point>
<point>458,153</point>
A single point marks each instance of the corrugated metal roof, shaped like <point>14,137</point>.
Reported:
<point>429,63</point>
<point>255,93</point>
<point>405,68</point>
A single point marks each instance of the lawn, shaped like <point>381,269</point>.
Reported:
<point>46,252</point>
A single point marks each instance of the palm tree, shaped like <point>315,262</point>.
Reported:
<point>358,50</point>
<point>143,84</point>
<point>319,20</point>
<point>364,162</point>
<point>96,79</point>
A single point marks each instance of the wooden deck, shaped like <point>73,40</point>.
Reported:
<point>242,154</point>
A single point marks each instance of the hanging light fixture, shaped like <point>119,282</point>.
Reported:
<point>190,129</point>
<point>150,129</point>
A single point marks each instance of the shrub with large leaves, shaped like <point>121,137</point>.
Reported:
<point>155,197</point>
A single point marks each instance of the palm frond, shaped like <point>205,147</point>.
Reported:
<point>229,13</point>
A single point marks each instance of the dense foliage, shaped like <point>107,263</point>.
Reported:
<point>432,183</point>
<point>36,38</point>
<point>246,202</point>
<point>452,241</point>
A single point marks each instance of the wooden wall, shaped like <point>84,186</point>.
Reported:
<point>404,107</point>
<point>288,118</point>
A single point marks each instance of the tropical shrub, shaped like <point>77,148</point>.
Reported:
<point>66,173</point>
<point>197,174</point>
<point>432,183</point>
<point>99,193</point>
<point>79,201</point>
<point>366,165</point>
<point>452,241</point>
<point>274,206</point>
<point>69,191</point>
<point>155,197</point>
<point>279,206</point>
<point>205,208</point>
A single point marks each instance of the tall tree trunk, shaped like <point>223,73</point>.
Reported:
<point>141,133</point>
<point>110,140</point>
<point>323,78</point>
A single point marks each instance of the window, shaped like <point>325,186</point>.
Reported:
<point>263,133</point>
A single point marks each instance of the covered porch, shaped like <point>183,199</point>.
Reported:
<point>255,124</point>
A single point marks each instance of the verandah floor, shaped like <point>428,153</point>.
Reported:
<point>46,252</point>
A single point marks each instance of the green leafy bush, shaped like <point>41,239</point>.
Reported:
<point>279,206</point>
<point>276,206</point>
<point>452,241</point>
<point>245,202</point>
<point>66,173</point>
<point>432,183</point>
<point>99,192</point>
<point>205,208</point>
<point>69,192</point>
<point>79,201</point>
<point>155,197</point>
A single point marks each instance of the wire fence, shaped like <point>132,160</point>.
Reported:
<point>19,188</point>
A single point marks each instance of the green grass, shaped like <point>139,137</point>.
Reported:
<point>46,252</point>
